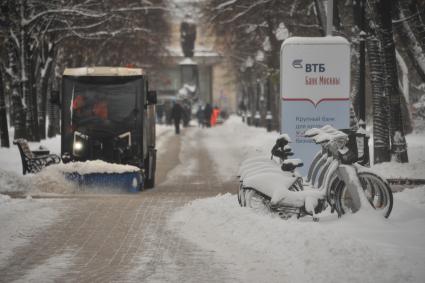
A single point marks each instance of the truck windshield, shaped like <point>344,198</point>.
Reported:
<point>103,109</point>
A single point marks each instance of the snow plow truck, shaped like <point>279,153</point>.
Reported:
<point>108,113</point>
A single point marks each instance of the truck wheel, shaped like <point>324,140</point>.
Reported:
<point>150,166</point>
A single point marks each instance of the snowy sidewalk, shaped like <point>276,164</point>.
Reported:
<point>181,231</point>
<point>124,237</point>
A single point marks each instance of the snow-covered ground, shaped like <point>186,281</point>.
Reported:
<point>228,145</point>
<point>260,247</point>
<point>356,248</point>
<point>22,219</point>
<point>415,168</point>
<point>257,247</point>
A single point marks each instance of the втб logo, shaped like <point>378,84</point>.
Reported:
<point>309,67</point>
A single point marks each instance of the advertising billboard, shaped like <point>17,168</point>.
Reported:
<point>315,89</point>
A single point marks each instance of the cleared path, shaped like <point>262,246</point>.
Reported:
<point>124,237</point>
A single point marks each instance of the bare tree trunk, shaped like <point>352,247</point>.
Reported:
<point>359,82</point>
<point>45,75</point>
<point>4,130</point>
<point>408,38</point>
<point>382,11</point>
<point>381,138</point>
<point>53,110</point>
<point>418,25</point>
<point>321,15</point>
<point>33,98</point>
<point>18,114</point>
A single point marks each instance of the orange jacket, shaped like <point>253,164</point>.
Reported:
<point>214,116</point>
<point>100,109</point>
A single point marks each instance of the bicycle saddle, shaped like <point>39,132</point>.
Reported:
<point>291,164</point>
<point>283,140</point>
<point>283,154</point>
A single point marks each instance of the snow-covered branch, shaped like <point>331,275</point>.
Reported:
<point>89,14</point>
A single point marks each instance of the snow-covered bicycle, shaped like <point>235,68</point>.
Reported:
<point>333,179</point>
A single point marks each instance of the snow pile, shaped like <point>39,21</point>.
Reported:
<point>12,182</point>
<point>414,197</point>
<point>94,166</point>
<point>415,169</point>
<point>259,247</point>
<point>10,159</point>
<point>4,199</point>
<point>228,145</point>
<point>51,180</point>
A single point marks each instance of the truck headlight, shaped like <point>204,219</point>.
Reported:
<point>78,146</point>
<point>79,143</point>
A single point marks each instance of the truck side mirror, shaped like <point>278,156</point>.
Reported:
<point>152,99</point>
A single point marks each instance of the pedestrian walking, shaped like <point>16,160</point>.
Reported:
<point>176,115</point>
<point>214,116</point>
<point>200,117</point>
<point>207,115</point>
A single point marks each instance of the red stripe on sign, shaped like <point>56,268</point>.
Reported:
<point>312,102</point>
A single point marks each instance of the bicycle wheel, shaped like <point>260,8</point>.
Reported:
<point>256,200</point>
<point>241,195</point>
<point>377,191</point>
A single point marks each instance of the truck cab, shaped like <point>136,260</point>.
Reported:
<point>108,113</point>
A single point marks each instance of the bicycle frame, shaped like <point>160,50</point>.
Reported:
<point>328,176</point>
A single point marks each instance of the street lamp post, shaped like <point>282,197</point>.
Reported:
<point>257,115</point>
<point>249,63</point>
<point>269,116</point>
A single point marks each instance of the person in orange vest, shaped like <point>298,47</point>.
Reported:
<point>100,109</point>
<point>214,116</point>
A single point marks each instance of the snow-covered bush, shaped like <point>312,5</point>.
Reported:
<point>419,108</point>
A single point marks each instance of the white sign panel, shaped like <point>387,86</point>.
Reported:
<point>315,89</point>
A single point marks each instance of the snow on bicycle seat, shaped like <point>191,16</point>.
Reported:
<point>262,170</point>
<point>283,140</point>
<point>363,132</point>
<point>284,137</point>
<point>312,132</point>
<point>327,137</point>
<point>294,161</point>
<point>274,184</point>
<point>322,138</point>
<point>328,129</point>
<point>287,149</point>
